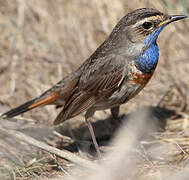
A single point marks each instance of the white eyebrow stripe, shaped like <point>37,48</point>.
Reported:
<point>151,18</point>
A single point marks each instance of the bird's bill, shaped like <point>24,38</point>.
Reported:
<point>172,18</point>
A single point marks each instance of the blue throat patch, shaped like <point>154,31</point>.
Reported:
<point>147,61</point>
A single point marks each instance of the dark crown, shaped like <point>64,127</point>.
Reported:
<point>139,14</point>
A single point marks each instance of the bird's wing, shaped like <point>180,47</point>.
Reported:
<point>98,79</point>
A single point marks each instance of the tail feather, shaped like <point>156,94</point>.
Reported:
<point>28,106</point>
<point>18,110</point>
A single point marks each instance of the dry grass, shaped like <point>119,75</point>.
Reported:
<point>42,41</point>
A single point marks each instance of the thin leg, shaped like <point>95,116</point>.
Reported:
<point>88,117</point>
<point>115,113</point>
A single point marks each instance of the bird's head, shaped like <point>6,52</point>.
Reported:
<point>146,24</point>
<point>140,28</point>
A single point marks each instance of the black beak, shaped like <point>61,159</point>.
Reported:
<point>172,18</point>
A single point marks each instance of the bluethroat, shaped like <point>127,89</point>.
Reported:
<point>117,71</point>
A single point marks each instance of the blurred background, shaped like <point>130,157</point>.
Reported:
<point>41,41</point>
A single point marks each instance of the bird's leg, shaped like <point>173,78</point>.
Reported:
<point>115,113</point>
<point>88,117</point>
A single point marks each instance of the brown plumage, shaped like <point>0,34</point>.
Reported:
<point>111,75</point>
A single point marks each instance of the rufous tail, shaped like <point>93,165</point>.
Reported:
<point>30,105</point>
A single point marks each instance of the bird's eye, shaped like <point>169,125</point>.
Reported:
<point>147,25</point>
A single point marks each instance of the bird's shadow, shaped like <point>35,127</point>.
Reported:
<point>155,120</point>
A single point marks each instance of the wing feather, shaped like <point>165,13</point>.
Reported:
<point>95,83</point>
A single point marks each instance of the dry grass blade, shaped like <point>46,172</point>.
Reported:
<point>61,153</point>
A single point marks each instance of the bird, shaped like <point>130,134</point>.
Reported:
<point>116,72</point>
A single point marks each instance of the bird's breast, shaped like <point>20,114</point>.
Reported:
<point>148,60</point>
<point>139,77</point>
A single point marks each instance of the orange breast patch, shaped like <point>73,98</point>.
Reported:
<point>139,77</point>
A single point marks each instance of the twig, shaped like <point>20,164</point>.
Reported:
<point>61,153</point>
<point>161,103</point>
<point>65,139</point>
<point>183,105</point>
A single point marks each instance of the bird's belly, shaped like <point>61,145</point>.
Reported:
<point>134,82</point>
<point>119,97</point>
